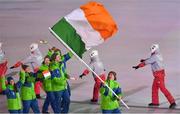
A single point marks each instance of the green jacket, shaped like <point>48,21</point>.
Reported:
<point>65,58</point>
<point>27,90</point>
<point>59,73</point>
<point>50,53</point>
<point>46,80</point>
<point>57,76</point>
<point>108,100</point>
<point>13,97</point>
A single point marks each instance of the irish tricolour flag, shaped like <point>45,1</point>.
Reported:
<point>85,27</point>
<point>46,74</point>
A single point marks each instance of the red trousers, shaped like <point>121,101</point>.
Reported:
<point>159,83</point>
<point>38,84</point>
<point>97,86</point>
<point>37,87</point>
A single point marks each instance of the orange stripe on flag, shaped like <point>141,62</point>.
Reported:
<point>46,72</point>
<point>100,19</point>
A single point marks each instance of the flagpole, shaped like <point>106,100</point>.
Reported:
<point>87,66</point>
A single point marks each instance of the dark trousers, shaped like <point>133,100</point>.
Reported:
<point>111,111</point>
<point>15,111</point>
<point>27,104</point>
<point>62,100</point>
<point>50,100</point>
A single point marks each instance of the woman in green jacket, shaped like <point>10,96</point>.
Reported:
<point>59,82</point>
<point>28,95</point>
<point>12,92</point>
<point>45,76</point>
<point>109,102</point>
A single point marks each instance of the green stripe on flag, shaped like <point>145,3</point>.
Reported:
<point>68,34</point>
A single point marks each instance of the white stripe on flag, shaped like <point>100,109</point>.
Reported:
<point>89,36</point>
<point>46,74</point>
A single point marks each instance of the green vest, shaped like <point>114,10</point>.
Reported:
<point>15,104</point>
<point>50,53</point>
<point>108,100</point>
<point>47,85</point>
<point>58,82</point>
<point>27,90</point>
<point>13,98</point>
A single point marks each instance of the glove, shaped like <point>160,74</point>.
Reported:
<point>80,76</point>
<point>142,60</point>
<point>39,79</point>
<point>102,85</point>
<point>11,67</point>
<point>135,67</point>
<point>86,72</point>
<point>19,63</point>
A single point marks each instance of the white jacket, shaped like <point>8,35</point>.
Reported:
<point>156,61</point>
<point>35,58</point>
<point>97,66</point>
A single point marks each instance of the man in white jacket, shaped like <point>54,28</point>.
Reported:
<point>34,59</point>
<point>156,62</point>
<point>98,67</point>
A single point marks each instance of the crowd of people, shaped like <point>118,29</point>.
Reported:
<point>50,74</point>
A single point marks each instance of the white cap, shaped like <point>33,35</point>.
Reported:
<point>33,47</point>
<point>93,53</point>
<point>154,47</point>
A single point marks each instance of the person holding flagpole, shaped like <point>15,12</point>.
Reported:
<point>109,102</point>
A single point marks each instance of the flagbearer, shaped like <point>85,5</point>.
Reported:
<point>98,68</point>
<point>156,62</point>
<point>109,102</point>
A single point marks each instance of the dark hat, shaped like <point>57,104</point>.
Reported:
<point>9,79</point>
<point>53,48</point>
<point>53,57</point>
<point>47,56</point>
<point>24,66</point>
